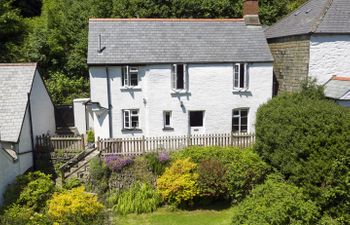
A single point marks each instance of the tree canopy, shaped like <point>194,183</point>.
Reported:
<point>54,33</point>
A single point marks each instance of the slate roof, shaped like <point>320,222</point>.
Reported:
<point>15,82</point>
<point>338,88</point>
<point>149,41</point>
<point>315,16</point>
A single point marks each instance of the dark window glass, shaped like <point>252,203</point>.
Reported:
<point>133,79</point>
<point>241,74</point>
<point>196,118</point>
<point>167,119</point>
<point>180,77</point>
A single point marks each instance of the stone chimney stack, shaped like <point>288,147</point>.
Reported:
<point>251,12</point>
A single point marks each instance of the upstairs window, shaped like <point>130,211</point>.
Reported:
<point>240,79</point>
<point>130,76</point>
<point>131,118</point>
<point>178,76</point>
<point>240,121</point>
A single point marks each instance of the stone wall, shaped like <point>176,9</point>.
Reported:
<point>291,65</point>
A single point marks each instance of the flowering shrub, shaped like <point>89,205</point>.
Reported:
<point>178,184</point>
<point>74,207</point>
<point>163,157</point>
<point>117,163</point>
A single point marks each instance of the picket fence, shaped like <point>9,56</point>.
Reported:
<point>61,142</point>
<point>141,145</point>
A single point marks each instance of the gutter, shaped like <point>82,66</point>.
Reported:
<point>31,130</point>
<point>109,103</point>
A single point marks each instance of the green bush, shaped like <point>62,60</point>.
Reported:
<point>90,136</point>
<point>155,165</point>
<point>140,198</point>
<point>307,139</point>
<point>276,202</point>
<point>72,183</point>
<point>212,181</point>
<point>32,190</point>
<point>244,167</point>
<point>19,215</point>
<point>99,176</point>
<point>178,185</point>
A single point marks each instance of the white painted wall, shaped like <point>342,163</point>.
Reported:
<point>43,112</point>
<point>8,172</point>
<point>210,89</point>
<point>329,55</point>
<point>81,115</point>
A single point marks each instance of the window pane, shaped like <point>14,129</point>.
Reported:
<point>244,113</point>
<point>180,77</point>
<point>167,118</point>
<point>196,118</point>
<point>236,78</point>
<point>133,79</point>
<point>235,121</point>
<point>135,121</point>
<point>241,76</point>
<point>235,129</point>
<point>235,113</point>
<point>244,129</point>
<point>244,121</point>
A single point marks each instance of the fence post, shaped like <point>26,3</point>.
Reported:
<point>83,141</point>
<point>231,139</point>
<point>143,144</point>
<point>189,140</point>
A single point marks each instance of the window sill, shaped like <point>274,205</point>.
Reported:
<point>180,92</point>
<point>238,90</point>
<point>131,88</point>
<point>132,130</point>
<point>168,129</point>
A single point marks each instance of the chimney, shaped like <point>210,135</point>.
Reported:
<point>251,12</point>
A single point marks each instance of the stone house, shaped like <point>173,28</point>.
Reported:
<point>313,41</point>
<point>26,110</point>
<point>165,77</point>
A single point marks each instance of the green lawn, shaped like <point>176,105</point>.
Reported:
<point>165,217</point>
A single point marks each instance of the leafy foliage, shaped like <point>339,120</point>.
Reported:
<point>139,198</point>
<point>157,161</point>
<point>244,168</point>
<point>31,190</point>
<point>90,136</point>
<point>99,175</point>
<point>64,89</point>
<point>307,139</point>
<point>19,215</point>
<point>276,202</point>
<point>178,184</point>
<point>74,207</point>
<point>212,181</point>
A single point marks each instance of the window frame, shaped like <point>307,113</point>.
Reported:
<point>174,77</point>
<point>129,119</point>
<point>239,110</point>
<point>127,72</point>
<point>237,75</point>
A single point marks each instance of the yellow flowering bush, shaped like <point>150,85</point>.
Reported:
<point>178,184</point>
<point>74,206</point>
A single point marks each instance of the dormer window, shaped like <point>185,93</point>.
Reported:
<point>240,77</point>
<point>178,76</point>
<point>130,76</point>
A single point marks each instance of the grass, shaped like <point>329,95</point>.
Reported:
<point>166,217</point>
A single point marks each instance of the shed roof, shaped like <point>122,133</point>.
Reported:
<point>338,88</point>
<point>315,16</point>
<point>149,41</point>
<point>15,84</point>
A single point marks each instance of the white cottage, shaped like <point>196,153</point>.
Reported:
<point>313,41</point>
<point>26,110</point>
<point>162,77</point>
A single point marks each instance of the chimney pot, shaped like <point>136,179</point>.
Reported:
<point>251,12</point>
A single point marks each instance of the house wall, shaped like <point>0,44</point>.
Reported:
<point>291,61</point>
<point>8,172</point>
<point>210,89</point>
<point>43,112</point>
<point>329,55</point>
<point>83,117</point>
<point>25,154</point>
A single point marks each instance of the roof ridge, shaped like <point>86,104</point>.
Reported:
<point>168,19</point>
<point>321,17</point>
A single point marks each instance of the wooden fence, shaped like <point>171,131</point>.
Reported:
<point>51,143</point>
<point>140,145</point>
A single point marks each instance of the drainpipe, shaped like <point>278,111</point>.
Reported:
<point>109,103</point>
<point>31,129</point>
